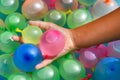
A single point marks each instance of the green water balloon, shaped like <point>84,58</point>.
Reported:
<point>8,6</point>
<point>2,29</point>
<point>7,45</point>
<point>67,56</point>
<point>71,69</point>
<point>49,72</point>
<point>56,17</point>
<point>19,76</point>
<point>78,18</point>
<point>7,66</point>
<point>70,55</point>
<point>15,20</point>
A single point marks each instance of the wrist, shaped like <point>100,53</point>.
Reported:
<point>80,38</point>
<point>75,39</point>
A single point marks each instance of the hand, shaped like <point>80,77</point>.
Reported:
<point>69,42</point>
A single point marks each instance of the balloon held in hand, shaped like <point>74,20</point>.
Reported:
<point>52,42</point>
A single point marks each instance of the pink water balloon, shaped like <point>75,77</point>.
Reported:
<point>90,56</point>
<point>52,42</point>
<point>114,49</point>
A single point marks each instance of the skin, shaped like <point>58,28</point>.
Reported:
<point>104,29</point>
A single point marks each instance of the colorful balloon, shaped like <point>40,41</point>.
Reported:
<point>7,66</point>
<point>66,5</point>
<point>19,76</point>
<point>78,17</point>
<point>15,20</point>
<point>34,9</point>
<point>71,69</point>
<point>27,56</point>
<point>89,57</point>
<point>107,69</point>
<point>52,42</point>
<point>92,55</point>
<point>7,45</point>
<point>114,49</point>
<point>8,6</point>
<point>102,51</point>
<point>56,17</point>
<point>67,56</point>
<point>16,57</point>
<point>70,55</point>
<point>50,3</point>
<point>2,78</point>
<point>2,29</point>
<point>55,63</point>
<point>103,7</point>
<point>49,72</point>
<point>87,2</point>
<point>31,34</point>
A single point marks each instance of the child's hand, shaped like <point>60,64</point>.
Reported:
<point>69,42</point>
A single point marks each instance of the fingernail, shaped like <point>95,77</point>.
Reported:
<point>37,67</point>
<point>16,38</point>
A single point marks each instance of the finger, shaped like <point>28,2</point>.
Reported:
<point>17,38</point>
<point>43,63</point>
<point>41,24</point>
<point>46,25</point>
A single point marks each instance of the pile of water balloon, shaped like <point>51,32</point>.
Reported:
<point>18,59</point>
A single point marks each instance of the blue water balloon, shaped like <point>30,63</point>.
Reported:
<point>107,69</point>
<point>27,56</point>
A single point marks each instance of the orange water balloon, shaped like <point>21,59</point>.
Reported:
<point>34,9</point>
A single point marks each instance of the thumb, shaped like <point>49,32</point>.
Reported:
<point>17,38</point>
<point>43,25</point>
<point>43,63</point>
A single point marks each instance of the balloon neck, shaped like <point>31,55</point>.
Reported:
<point>68,11</point>
<point>97,46</point>
<point>51,37</point>
<point>52,3</point>
<point>18,30</point>
<point>87,77</point>
<point>48,56</point>
<point>107,1</point>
